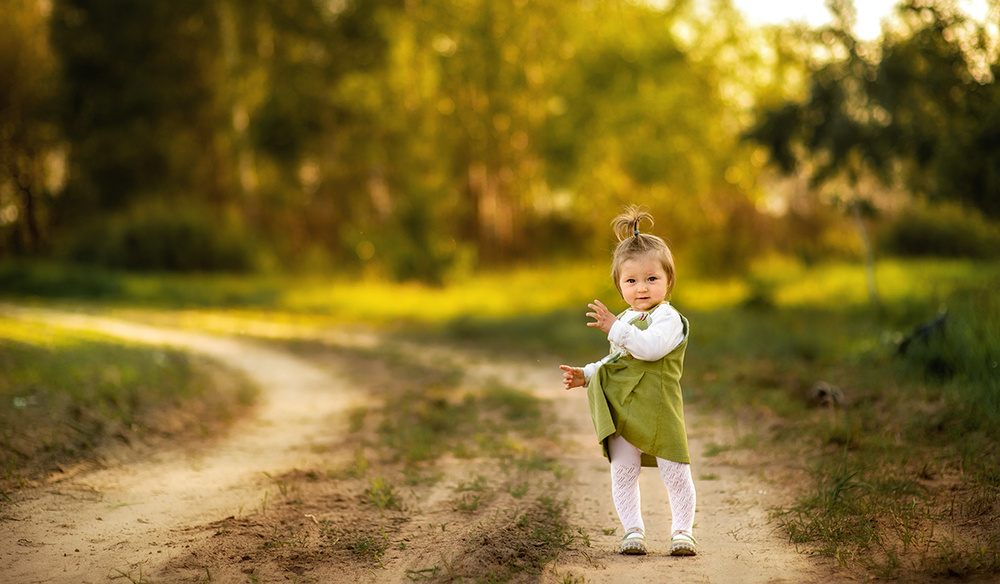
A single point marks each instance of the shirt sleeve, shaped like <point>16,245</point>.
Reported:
<point>591,369</point>
<point>664,334</point>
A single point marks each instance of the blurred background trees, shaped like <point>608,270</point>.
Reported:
<point>417,138</point>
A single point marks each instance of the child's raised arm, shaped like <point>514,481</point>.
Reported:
<point>603,318</point>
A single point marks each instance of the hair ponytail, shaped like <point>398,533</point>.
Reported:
<point>628,223</point>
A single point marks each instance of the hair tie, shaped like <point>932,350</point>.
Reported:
<point>636,233</point>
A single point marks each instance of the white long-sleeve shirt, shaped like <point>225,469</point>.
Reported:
<point>664,333</point>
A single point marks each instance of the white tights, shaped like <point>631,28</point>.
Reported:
<point>625,467</point>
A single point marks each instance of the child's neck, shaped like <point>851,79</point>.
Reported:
<point>634,309</point>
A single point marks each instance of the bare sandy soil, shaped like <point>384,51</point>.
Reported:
<point>259,504</point>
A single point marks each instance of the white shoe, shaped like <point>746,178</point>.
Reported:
<point>634,542</point>
<point>682,543</point>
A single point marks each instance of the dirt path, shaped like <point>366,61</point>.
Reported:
<point>84,528</point>
<point>736,542</point>
<point>109,522</point>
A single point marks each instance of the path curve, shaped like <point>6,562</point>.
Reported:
<point>87,528</point>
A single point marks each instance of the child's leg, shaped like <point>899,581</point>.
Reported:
<point>625,468</point>
<point>680,488</point>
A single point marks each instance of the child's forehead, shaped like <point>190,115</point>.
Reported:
<point>643,263</point>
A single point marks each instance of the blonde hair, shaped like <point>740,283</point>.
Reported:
<point>632,244</point>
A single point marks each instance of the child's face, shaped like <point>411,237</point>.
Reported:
<point>643,282</point>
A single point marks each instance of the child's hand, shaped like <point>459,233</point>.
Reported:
<point>572,376</point>
<point>603,317</point>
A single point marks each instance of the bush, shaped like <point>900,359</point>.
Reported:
<point>52,280</point>
<point>161,236</point>
<point>943,231</point>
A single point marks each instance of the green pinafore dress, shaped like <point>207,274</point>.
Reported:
<point>641,401</point>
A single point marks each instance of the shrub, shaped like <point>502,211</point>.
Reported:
<point>942,230</point>
<point>158,235</point>
<point>52,280</point>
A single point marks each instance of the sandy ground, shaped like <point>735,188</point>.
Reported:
<point>146,520</point>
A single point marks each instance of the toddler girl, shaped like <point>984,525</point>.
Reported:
<point>635,392</point>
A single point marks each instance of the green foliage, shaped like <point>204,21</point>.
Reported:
<point>137,105</point>
<point>419,140</point>
<point>943,231</point>
<point>50,280</point>
<point>160,236</point>
<point>924,106</point>
<point>942,105</point>
<point>413,140</point>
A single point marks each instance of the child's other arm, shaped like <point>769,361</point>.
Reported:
<point>572,376</point>
<point>580,376</point>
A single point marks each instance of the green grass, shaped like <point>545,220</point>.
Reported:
<point>382,494</point>
<point>515,545</point>
<point>64,394</point>
<point>518,292</point>
<point>905,476</point>
<point>345,299</point>
<point>425,423</point>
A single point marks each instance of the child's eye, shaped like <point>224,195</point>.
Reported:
<point>652,278</point>
<point>630,281</point>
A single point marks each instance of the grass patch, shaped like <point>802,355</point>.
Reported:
<point>373,547</point>
<point>428,422</point>
<point>382,494</point>
<point>516,542</point>
<point>65,394</point>
<point>349,299</point>
<point>906,473</point>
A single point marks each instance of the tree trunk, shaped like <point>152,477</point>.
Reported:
<point>869,252</point>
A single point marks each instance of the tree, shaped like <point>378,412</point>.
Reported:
<point>415,135</point>
<point>28,133</point>
<point>139,111</point>
<point>938,84</point>
<point>909,111</point>
<point>919,107</point>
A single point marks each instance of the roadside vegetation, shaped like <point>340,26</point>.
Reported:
<point>69,398</point>
<point>890,412</point>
